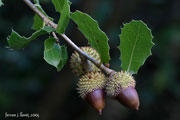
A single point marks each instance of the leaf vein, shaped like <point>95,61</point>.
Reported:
<point>132,53</point>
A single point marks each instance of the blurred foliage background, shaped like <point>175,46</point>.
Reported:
<point>29,85</point>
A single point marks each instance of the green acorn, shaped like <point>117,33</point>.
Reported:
<point>121,86</point>
<point>90,88</point>
<point>76,62</point>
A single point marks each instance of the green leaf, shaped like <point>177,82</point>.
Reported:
<point>63,7</point>
<point>96,37</point>
<point>36,1</point>
<point>58,4</point>
<point>64,19</point>
<point>17,42</point>
<point>1,3</point>
<point>54,54</point>
<point>135,45</point>
<point>38,22</point>
<point>48,29</point>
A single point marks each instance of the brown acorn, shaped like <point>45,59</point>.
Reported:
<point>76,62</point>
<point>96,99</point>
<point>90,88</point>
<point>121,86</point>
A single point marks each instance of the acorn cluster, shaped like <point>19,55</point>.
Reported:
<point>94,85</point>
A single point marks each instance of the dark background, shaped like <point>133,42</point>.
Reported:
<point>28,84</point>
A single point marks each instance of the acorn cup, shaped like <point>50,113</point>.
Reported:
<point>121,86</point>
<point>76,63</point>
<point>90,88</point>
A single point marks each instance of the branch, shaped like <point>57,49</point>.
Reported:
<point>55,37</point>
<point>74,46</point>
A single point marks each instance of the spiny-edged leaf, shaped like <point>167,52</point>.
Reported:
<point>1,3</point>
<point>38,22</point>
<point>63,7</point>
<point>96,37</point>
<point>135,45</point>
<point>17,41</point>
<point>64,19</point>
<point>54,54</point>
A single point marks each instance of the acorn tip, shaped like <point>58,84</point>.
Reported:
<point>137,108</point>
<point>100,111</point>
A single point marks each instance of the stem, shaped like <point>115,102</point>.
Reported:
<point>87,66</point>
<point>74,46</point>
<point>55,37</point>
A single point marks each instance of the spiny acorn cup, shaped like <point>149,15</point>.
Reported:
<point>76,62</point>
<point>90,88</point>
<point>121,86</point>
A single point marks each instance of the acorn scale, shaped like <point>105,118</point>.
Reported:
<point>121,86</point>
<point>90,88</point>
<point>76,62</point>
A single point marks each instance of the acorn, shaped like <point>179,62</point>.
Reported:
<point>90,88</point>
<point>121,86</point>
<point>76,62</point>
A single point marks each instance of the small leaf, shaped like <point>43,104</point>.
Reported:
<point>17,42</point>
<point>36,1</point>
<point>63,7</point>
<point>54,54</point>
<point>1,3</point>
<point>96,37</point>
<point>38,22</point>
<point>64,19</point>
<point>58,4</point>
<point>135,45</point>
<point>48,29</point>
